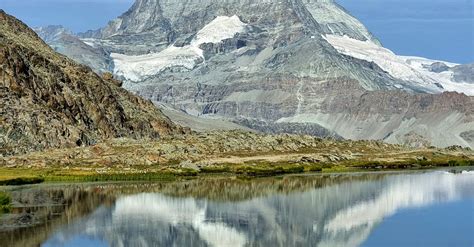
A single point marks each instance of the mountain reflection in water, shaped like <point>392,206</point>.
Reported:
<point>291,211</point>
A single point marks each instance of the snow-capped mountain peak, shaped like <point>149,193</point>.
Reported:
<point>297,66</point>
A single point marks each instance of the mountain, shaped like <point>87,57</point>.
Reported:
<point>49,101</point>
<point>285,65</point>
<point>66,43</point>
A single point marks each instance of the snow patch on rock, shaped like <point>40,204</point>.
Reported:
<point>136,68</point>
<point>219,29</point>
<point>444,78</point>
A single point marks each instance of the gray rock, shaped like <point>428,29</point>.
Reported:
<point>464,73</point>
<point>438,67</point>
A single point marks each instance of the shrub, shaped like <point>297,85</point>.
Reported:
<point>5,202</point>
<point>267,171</point>
<point>315,168</point>
<point>294,169</point>
<point>215,169</point>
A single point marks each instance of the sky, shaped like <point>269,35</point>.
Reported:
<point>436,29</point>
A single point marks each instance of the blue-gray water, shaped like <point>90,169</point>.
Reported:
<point>433,208</point>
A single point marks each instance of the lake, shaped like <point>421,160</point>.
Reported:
<point>429,208</point>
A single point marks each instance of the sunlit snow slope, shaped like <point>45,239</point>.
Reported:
<point>135,68</point>
<point>411,69</point>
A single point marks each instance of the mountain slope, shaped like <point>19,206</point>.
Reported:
<point>435,75</point>
<point>66,43</point>
<point>50,101</point>
<point>283,65</point>
<point>335,20</point>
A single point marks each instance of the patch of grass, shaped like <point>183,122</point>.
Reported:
<point>294,169</point>
<point>5,202</point>
<point>444,162</point>
<point>461,163</point>
<point>409,164</point>
<point>259,168</point>
<point>216,169</point>
<point>315,168</point>
<point>186,172</point>
<point>152,176</point>
<point>320,167</point>
<point>10,177</point>
<point>268,170</point>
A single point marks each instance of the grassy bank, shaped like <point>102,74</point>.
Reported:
<point>13,176</point>
<point>411,164</point>
<point>19,176</point>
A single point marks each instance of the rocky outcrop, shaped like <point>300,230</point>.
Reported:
<point>49,101</point>
<point>464,73</point>
<point>291,128</point>
<point>438,67</point>
<point>204,148</point>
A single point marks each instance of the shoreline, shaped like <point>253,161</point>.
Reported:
<point>16,177</point>
<point>229,153</point>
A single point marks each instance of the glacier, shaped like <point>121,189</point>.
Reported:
<point>136,68</point>
<point>413,69</point>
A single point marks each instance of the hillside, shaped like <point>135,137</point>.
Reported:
<point>50,101</point>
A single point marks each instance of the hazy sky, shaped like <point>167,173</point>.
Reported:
<point>438,29</point>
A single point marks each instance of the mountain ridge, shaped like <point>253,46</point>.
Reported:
<point>65,42</point>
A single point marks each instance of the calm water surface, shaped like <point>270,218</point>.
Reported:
<point>434,208</point>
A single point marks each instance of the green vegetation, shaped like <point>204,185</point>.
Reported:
<point>5,202</point>
<point>216,169</point>
<point>257,168</point>
<point>153,176</point>
<point>409,164</point>
<point>22,181</point>
<point>268,170</point>
<point>461,163</point>
<point>9,176</point>
<point>320,167</point>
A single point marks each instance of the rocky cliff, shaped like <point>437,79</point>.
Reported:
<point>49,101</point>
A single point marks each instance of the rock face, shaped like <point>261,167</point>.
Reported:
<point>48,101</point>
<point>284,65</point>
<point>464,73</point>
<point>438,67</point>
<point>66,43</point>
